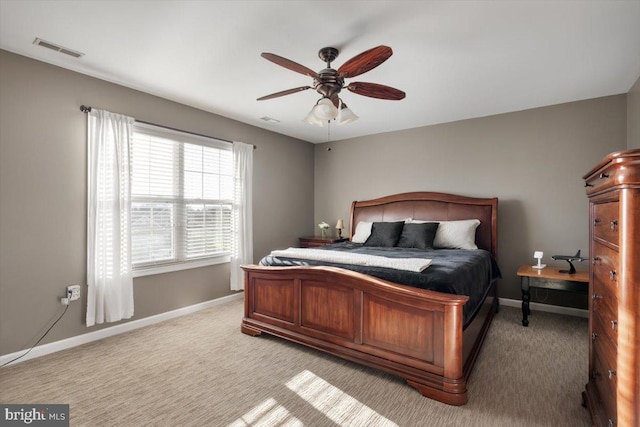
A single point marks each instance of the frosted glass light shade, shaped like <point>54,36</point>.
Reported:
<point>325,110</point>
<point>346,115</point>
<point>312,119</point>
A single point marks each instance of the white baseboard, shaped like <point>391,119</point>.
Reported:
<point>569,311</point>
<point>64,344</point>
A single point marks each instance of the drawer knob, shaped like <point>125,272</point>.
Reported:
<point>611,372</point>
<point>586,184</point>
<point>614,224</point>
<point>596,296</point>
<point>604,175</point>
<point>595,260</point>
<point>596,221</point>
<point>610,422</point>
<point>594,336</point>
<point>594,374</point>
<point>614,324</point>
<point>612,275</point>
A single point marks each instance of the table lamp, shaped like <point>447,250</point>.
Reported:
<point>339,227</point>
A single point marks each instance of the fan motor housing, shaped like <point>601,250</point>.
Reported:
<point>328,83</point>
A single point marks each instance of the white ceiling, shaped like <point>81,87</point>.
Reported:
<point>454,59</point>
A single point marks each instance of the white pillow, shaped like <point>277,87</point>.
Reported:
<point>455,234</point>
<point>363,231</point>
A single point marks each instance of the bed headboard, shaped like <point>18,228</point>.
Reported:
<point>432,207</point>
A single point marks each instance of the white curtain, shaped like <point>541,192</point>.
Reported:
<point>242,249</point>
<point>109,277</point>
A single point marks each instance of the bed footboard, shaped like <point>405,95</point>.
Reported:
<point>414,333</point>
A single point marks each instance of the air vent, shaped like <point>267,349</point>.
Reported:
<point>58,48</point>
<point>269,119</point>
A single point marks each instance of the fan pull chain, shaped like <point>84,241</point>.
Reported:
<point>328,130</point>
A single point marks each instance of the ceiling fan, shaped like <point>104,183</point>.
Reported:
<point>329,82</point>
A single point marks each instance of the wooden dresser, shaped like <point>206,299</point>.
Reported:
<point>613,391</point>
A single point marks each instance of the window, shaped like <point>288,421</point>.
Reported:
<point>181,194</point>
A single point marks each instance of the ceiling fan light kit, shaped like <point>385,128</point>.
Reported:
<point>329,82</point>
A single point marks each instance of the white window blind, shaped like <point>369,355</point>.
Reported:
<point>182,192</point>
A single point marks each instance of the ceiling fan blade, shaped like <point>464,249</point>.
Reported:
<point>287,63</point>
<point>284,92</point>
<point>374,90</point>
<point>367,60</point>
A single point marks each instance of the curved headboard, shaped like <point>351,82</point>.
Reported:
<point>433,207</point>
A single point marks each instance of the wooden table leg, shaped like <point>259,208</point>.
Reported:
<point>525,301</point>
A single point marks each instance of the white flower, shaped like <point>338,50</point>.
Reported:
<point>323,225</point>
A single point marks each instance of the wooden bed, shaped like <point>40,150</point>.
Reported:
<point>414,333</point>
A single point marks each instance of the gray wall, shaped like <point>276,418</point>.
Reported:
<point>633,116</point>
<point>532,160</point>
<point>43,197</point>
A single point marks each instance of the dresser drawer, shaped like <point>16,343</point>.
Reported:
<point>603,342</point>
<point>605,305</point>
<point>606,394</point>
<point>600,181</point>
<point>605,352</point>
<point>605,266</point>
<point>606,221</point>
<point>317,241</point>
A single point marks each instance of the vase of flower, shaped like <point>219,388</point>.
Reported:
<point>323,229</point>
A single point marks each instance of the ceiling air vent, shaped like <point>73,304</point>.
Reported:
<point>58,48</point>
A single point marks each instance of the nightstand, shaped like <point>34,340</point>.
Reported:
<point>315,241</point>
<point>549,278</point>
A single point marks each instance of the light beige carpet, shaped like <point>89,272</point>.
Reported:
<point>199,370</point>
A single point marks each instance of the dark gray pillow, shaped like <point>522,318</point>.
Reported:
<point>419,236</point>
<point>384,234</point>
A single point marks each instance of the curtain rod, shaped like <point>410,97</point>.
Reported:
<point>86,109</point>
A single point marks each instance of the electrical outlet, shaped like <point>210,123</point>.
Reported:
<point>73,292</point>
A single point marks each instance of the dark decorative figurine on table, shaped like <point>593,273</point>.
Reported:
<point>569,259</point>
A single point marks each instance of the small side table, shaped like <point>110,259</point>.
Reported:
<point>549,278</point>
<point>315,241</point>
